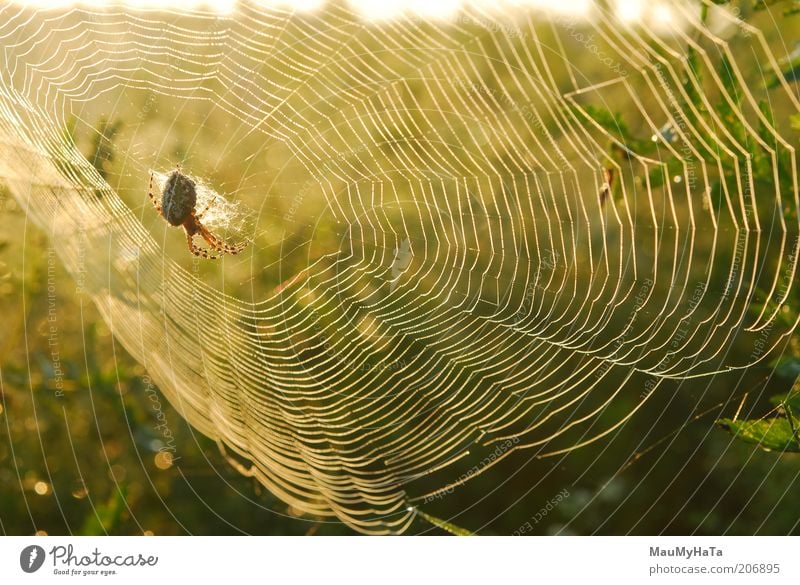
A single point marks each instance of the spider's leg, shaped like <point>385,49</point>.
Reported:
<point>232,249</point>
<point>236,248</point>
<point>202,213</point>
<point>198,251</point>
<point>212,240</point>
<point>153,200</point>
<point>217,244</point>
<point>228,248</point>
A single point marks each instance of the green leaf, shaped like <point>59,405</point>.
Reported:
<point>771,434</point>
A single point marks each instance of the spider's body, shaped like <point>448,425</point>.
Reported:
<point>178,207</point>
<point>178,199</point>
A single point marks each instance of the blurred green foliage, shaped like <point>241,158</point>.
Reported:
<point>778,432</point>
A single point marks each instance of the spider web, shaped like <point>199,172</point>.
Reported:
<point>433,282</point>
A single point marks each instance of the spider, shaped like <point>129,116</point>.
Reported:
<point>178,201</point>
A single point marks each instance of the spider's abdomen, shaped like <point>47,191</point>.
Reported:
<point>178,199</point>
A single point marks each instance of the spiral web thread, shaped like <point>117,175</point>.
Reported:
<point>480,297</point>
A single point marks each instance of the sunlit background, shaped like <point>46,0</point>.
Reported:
<point>628,11</point>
